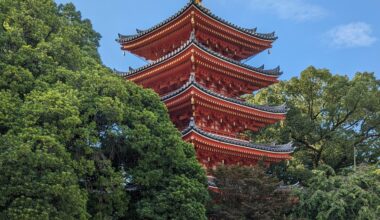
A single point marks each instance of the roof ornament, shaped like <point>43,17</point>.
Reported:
<point>252,30</point>
<point>192,123</point>
<point>284,106</point>
<point>192,36</point>
<point>198,1</point>
<point>192,77</point>
<point>139,31</point>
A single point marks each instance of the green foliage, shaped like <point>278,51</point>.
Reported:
<point>248,193</point>
<point>176,201</point>
<point>74,137</point>
<point>329,117</point>
<point>37,179</point>
<point>351,195</point>
<point>9,103</point>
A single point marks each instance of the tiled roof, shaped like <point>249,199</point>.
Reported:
<point>192,40</point>
<point>282,109</point>
<point>286,148</point>
<point>251,32</point>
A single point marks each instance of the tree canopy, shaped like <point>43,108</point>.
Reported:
<point>334,123</point>
<point>248,193</point>
<point>330,117</point>
<point>348,195</point>
<point>76,141</point>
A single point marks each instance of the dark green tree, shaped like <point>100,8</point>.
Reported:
<point>76,141</point>
<point>331,118</point>
<point>248,193</point>
<point>334,122</point>
<point>349,195</point>
<point>38,180</point>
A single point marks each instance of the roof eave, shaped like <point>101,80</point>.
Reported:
<point>122,39</point>
<point>280,149</point>
<point>277,110</point>
<point>269,73</point>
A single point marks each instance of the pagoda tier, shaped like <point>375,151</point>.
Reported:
<point>201,79</point>
<point>214,71</point>
<point>216,113</point>
<point>220,35</point>
<point>216,149</point>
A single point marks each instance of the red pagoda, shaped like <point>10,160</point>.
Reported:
<point>194,65</point>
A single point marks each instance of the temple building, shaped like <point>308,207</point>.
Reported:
<point>195,66</point>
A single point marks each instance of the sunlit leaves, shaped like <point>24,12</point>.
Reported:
<point>72,132</point>
<point>352,195</point>
<point>329,116</point>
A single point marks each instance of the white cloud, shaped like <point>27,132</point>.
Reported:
<point>356,34</point>
<point>297,10</point>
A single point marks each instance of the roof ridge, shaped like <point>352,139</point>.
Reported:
<point>192,81</point>
<point>251,32</point>
<point>192,39</point>
<point>267,147</point>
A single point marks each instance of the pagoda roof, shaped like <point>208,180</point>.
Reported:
<point>192,3</point>
<point>285,148</point>
<point>276,72</point>
<point>282,109</point>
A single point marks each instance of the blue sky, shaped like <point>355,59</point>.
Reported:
<point>340,35</point>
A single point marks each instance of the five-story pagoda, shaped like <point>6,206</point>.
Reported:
<point>194,65</point>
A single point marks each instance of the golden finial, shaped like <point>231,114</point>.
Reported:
<point>198,1</point>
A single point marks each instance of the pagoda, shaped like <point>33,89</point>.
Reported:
<point>195,66</point>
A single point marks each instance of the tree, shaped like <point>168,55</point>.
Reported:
<point>333,121</point>
<point>248,193</point>
<point>350,195</point>
<point>331,118</point>
<point>38,180</point>
<point>74,136</point>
